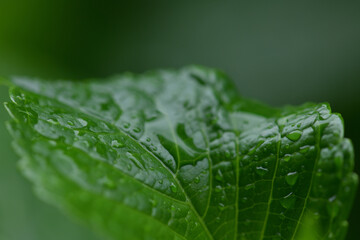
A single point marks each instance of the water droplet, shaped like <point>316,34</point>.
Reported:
<point>137,130</point>
<point>219,176</point>
<point>261,171</point>
<point>153,202</point>
<point>109,183</point>
<point>288,201</point>
<point>148,139</point>
<point>218,188</point>
<point>173,188</point>
<point>129,167</point>
<point>70,123</point>
<point>294,136</point>
<point>316,215</point>
<point>154,148</point>
<point>116,144</point>
<point>298,125</point>
<point>244,199</point>
<point>287,158</point>
<point>221,206</point>
<point>82,122</point>
<point>52,121</point>
<point>319,172</point>
<point>250,186</point>
<point>161,181</point>
<point>197,180</point>
<point>126,125</point>
<point>217,220</point>
<point>252,151</point>
<point>291,178</point>
<point>172,208</point>
<point>304,149</point>
<point>339,161</point>
<point>333,207</point>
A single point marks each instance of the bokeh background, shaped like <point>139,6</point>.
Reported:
<point>278,52</point>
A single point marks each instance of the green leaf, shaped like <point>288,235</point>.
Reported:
<point>179,155</point>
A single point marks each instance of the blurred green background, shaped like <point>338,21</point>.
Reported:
<point>278,52</point>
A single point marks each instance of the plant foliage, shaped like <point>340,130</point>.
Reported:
<point>177,154</point>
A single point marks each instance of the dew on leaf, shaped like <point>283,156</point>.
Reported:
<point>137,130</point>
<point>82,122</point>
<point>218,188</point>
<point>108,183</point>
<point>287,158</point>
<point>197,179</point>
<point>70,123</point>
<point>221,207</point>
<point>53,121</point>
<point>126,125</point>
<point>173,188</point>
<point>304,149</point>
<point>116,144</point>
<point>153,202</point>
<point>333,207</point>
<point>129,167</point>
<point>288,201</point>
<point>261,171</point>
<point>294,136</point>
<point>291,178</point>
<point>250,186</point>
<point>219,176</point>
<point>339,161</point>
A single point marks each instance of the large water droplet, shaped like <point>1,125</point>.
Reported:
<point>261,171</point>
<point>288,201</point>
<point>173,188</point>
<point>294,136</point>
<point>291,178</point>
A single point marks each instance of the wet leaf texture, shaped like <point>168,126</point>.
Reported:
<point>178,154</point>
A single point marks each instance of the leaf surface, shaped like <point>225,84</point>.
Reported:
<point>179,155</point>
